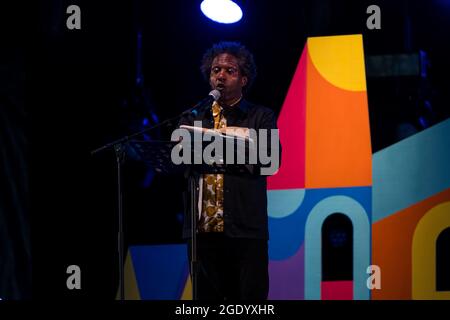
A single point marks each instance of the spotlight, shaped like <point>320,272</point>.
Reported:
<point>222,11</point>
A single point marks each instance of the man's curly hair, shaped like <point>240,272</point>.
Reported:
<point>243,55</point>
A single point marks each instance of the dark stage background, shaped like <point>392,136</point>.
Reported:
<point>66,92</point>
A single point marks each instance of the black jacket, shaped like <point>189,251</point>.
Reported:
<point>245,193</point>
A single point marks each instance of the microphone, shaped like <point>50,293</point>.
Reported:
<point>214,95</point>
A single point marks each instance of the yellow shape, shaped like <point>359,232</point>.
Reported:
<point>424,253</point>
<point>131,287</point>
<point>349,73</point>
<point>187,292</point>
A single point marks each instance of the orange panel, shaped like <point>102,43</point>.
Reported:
<point>392,248</point>
<point>338,147</point>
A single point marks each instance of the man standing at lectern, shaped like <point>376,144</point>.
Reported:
<point>232,229</point>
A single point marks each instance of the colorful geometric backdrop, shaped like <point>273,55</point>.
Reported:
<point>397,200</point>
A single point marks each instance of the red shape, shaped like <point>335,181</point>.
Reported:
<point>337,290</point>
<point>291,125</point>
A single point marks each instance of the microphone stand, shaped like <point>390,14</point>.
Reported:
<point>118,147</point>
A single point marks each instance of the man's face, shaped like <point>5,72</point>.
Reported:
<point>226,77</point>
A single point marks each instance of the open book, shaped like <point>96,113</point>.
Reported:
<point>238,133</point>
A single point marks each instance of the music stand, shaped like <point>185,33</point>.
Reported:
<point>119,146</point>
<point>157,154</point>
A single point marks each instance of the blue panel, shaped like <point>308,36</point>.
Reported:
<point>287,233</point>
<point>161,270</point>
<point>411,170</point>
<point>282,203</point>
